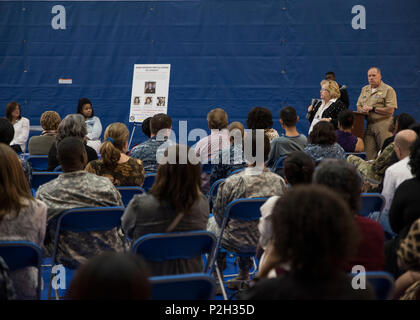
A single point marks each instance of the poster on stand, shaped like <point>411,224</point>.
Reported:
<point>150,89</point>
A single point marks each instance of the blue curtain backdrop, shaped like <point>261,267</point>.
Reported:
<point>232,54</point>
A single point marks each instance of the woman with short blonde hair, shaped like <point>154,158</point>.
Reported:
<point>114,163</point>
<point>328,108</point>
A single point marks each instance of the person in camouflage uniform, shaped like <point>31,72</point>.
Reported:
<point>76,188</point>
<point>374,169</point>
<point>240,236</point>
<point>153,149</point>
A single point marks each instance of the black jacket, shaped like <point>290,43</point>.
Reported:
<point>331,112</point>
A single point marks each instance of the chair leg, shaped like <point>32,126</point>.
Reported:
<point>221,281</point>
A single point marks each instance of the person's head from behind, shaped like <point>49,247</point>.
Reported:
<point>414,161</point>
<point>50,120</point>
<point>14,187</point>
<point>330,76</point>
<point>323,133</point>
<point>257,148</point>
<point>288,117</point>
<point>71,154</point>
<point>404,139</point>
<point>115,143</point>
<point>217,119</point>
<point>145,127</point>
<point>73,125</point>
<point>345,120</point>
<point>84,107</point>
<point>298,168</point>
<point>403,122</point>
<point>13,111</point>
<point>314,231</point>
<point>111,276</point>
<point>342,177</point>
<point>160,122</point>
<point>178,178</point>
<point>236,132</point>
<point>259,118</point>
<point>7,132</point>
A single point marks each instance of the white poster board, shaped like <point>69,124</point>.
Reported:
<point>149,94</point>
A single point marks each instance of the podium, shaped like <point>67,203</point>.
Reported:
<point>359,124</point>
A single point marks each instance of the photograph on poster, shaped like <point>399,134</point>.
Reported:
<point>148,100</point>
<point>150,87</point>
<point>160,101</point>
<point>136,100</point>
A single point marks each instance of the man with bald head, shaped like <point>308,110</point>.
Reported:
<point>400,171</point>
<point>378,101</point>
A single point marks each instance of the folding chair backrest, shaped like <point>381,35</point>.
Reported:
<point>382,283</point>
<point>128,192</point>
<point>236,171</point>
<point>371,202</point>
<point>245,209</point>
<point>194,286</point>
<point>278,165</point>
<point>42,177</point>
<point>149,180</point>
<point>159,247</point>
<point>21,254</point>
<point>38,163</point>
<point>213,191</point>
<point>90,219</point>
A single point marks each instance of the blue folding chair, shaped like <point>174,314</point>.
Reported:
<point>128,192</point>
<point>213,191</point>
<point>278,165</point>
<point>236,171</point>
<point>84,220</point>
<point>159,247</point>
<point>149,180</point>
<point>38,163</point>
<point>358,154</point>
<point>371,202</point>
<point>42,177</point>
<point>243,209</point>
<point>193,286</point>
<point>21,254</point>
<point>383,283</point>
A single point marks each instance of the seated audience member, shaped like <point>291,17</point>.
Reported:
<point>174,204</point>
<point>72,125</point>
<point>6,136</point>
<point>111,276</point>
<point>399,123</point>
<point>404,209</point>
<point>407,286</point>
<point>328,108</point>
<point>254,181</point>
<point>93,124</point>
<point>41,145</point>
<point>261,118</point>
<point>209,147</point>
<point>398,172</point>
<point>149,151</point>
<point>298,169</point>
<point>145,127</point>
<point>343,178</point>
<point>291,141</point>
<point>114,163</point>
<point>76,188</point>
<point>345,138</point>
<point>232,158</point>
<point>20,125</point>
<point>21,217</point>
<point>312,243</point>
<point>323,143</point>
<point>7,289</point>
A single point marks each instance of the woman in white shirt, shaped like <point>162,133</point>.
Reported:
<point>20,124</point>
<point>328,108</point>
<point>93,124</point>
